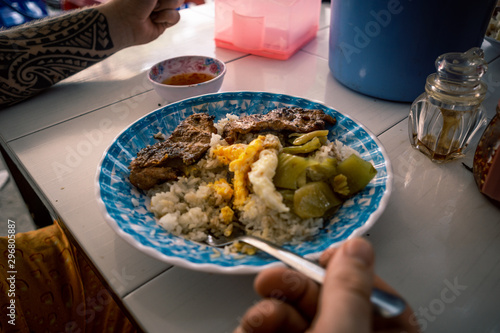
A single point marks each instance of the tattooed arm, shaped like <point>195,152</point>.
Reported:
<point>35,56</point>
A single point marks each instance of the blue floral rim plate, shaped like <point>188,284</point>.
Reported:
<point>125,208</point>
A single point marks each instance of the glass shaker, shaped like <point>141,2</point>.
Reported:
<point>445,118</point>
<point>486,165</point>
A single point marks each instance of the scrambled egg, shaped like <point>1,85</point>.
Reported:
<point>240,158</point>
<point>226,215</point>
<point>252,164</point>
<point>222,188</point>
<point>225,191</point>
<point>227,154</point>
<point>261,177</point>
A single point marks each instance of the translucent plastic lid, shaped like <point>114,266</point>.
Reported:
<point>464,67</point>
<point>457,80</point>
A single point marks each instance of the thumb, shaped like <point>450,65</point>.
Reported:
<point>345,297</point>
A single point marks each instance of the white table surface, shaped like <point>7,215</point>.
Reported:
<point>438,241</point>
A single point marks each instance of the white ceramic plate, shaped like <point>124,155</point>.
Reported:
<point>126,209</point>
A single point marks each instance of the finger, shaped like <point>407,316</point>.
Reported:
<point>406,322</point>
<point>345,299</point>
<point>291,287</point>
<point>168,17</point>
<point>327,255</point>
<point>272,315</point>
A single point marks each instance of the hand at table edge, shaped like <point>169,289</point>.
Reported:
<point>293,303</point>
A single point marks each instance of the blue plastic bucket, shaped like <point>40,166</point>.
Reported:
<point>386,49</point>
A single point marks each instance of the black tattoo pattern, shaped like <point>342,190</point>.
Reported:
<point>35,56</point>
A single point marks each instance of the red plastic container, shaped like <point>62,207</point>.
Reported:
<point>269,28</point>
<point>73,4</point>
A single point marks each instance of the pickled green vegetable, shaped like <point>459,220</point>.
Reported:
<point>308,147</point>
<point>314,200</point>
<point>304,138</point>
<point>357,171</point>
<point>291,171</point>
<point>302,179</point>
<point>287,197</point>
<point>340,185</point>
<point>324,170</point>
<point>323,140</point>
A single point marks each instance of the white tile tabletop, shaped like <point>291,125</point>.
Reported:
<point>437,242</point>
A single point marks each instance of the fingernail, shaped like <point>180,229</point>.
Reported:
<point>326,256</point>
<point>360,249</point>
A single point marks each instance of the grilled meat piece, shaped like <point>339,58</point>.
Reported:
<point>188,143</point>
<point>283,120</point>
<point>168,159</point>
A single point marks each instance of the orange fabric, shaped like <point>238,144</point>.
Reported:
<point>55,288</point>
